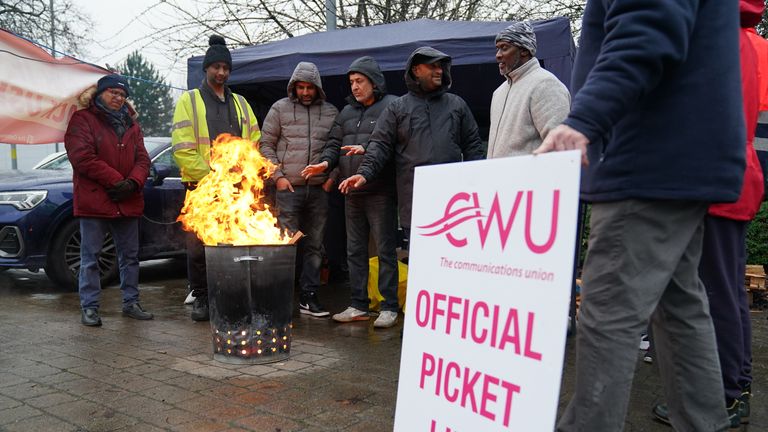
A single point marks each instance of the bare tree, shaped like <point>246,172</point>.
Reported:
<point>249,22</point>
<point>32,20</point>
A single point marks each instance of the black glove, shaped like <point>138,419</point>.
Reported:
<point>122,190</point>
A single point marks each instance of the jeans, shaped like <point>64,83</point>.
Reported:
<point>372,214</point>
<point>306,209</point>
<point>125,232</point>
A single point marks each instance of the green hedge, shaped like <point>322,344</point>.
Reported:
<point>757,238</point>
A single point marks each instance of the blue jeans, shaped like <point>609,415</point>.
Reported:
<point>372,214</point>
<point>306,209</point>
<point>125,232</point>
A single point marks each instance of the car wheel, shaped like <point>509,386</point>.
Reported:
<point>63,261</point>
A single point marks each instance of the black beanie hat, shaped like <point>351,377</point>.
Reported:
<point>113,81</point>
<point>217,52</point>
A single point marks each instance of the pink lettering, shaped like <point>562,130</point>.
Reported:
<point>540,249</point>
<point>528,338</point>
<point>421,298</point>
<point>451,396</point>
<point>427,368</point>
<point>475,337</point>
<point>495,213</point>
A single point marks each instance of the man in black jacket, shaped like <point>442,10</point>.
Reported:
<point>370,209</point>
<point>427,126</point>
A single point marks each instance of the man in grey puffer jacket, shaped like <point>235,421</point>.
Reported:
<point>293,136</point>
<point>427,126</point>
<point>372,208</point>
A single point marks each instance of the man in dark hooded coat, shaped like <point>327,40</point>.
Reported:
<point>427,126</point>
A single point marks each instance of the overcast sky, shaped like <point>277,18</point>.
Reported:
<point>120,27</point>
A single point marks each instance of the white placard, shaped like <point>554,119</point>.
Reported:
<point>489,282</point>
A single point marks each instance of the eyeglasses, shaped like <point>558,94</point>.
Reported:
<point>117,93</point>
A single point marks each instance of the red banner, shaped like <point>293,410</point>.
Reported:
<point>38,93</point>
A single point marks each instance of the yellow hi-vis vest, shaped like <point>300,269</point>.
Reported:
<point>189,134</point>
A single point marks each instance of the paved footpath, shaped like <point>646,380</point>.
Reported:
<point>57,375</point>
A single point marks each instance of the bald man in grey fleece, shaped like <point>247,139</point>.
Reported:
<point>530,102</point>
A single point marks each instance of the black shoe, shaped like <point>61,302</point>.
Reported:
<point>744,399</point>
<point>734,415</point>
<point>200,309</point>
<point>135,311</point>
<point>90,317</point>
<point>310,305</point>
<point>661,412</point>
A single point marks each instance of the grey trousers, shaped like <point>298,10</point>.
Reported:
<point>641,265</point>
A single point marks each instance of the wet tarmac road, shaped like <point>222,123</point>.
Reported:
<point>57,375</point>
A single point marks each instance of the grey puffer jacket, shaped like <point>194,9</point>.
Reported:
<point>353,126</point>
<point>421,129</point>
<point>294,135</point>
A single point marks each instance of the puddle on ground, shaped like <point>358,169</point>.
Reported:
<point>46,296</point>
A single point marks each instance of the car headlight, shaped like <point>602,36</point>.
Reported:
<point>23,200</point>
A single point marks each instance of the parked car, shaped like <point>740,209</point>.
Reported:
<point>38,230</point>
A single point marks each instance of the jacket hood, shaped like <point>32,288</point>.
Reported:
<point>751,12</point>
<point>368,67</point>
<point>86,98</point>
<point>307,72</point>
<point>432,54</point>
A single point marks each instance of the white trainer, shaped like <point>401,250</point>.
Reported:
<point>190,299</point>
<point>386,319</point>
<point>351,314</point>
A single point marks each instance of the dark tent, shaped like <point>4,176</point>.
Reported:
<point>261,73</point>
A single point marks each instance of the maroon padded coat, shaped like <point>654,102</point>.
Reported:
<point>99,160</point>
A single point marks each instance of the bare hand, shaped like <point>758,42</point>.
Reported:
<point>353,149</point>
<point>283,184</point>
<point>328,185</point>
<point>563,138</point>
<point>352,183</point>
<point>312,170</point>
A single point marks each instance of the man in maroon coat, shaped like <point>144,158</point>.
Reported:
<point>110,165</point>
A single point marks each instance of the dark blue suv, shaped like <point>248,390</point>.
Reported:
<point>37,229</point>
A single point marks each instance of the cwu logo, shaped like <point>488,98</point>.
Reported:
<point>465,208</point>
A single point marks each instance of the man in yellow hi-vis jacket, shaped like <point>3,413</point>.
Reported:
<point>202,115</point>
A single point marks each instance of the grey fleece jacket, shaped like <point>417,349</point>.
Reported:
<point>525,107</point>
<point>293,135</point>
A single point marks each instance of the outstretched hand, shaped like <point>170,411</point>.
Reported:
<point>354,182</point>
<point>313,170</point>
<point>563,138</point>
<point>353,149</point>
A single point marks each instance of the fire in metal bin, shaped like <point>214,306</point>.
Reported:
<point>250,261</point>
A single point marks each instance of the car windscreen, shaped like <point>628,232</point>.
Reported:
<point>61,162</point>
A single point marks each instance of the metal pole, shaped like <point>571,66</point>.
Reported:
<point>14,162</point>
<point>53,42</point>
<point>330,15</point>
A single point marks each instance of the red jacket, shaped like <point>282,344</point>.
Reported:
<point>752,189</point>
<point>99,160</point>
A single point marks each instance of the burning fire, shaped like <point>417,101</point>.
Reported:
<point>227,206</point>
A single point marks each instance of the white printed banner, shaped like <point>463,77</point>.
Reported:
<point>489,282</point>
<point>38,93</point>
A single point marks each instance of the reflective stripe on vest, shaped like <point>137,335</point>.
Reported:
<point>181,124</point>
<point>761,132</point>
<point>246,116</point>
<point>194,115</point>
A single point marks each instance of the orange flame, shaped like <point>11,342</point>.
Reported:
<point>227,206</point>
